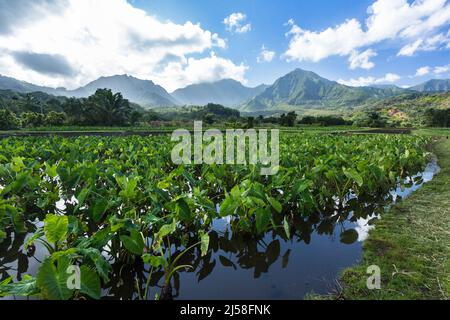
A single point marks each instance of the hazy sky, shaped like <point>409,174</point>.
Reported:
<point>179,42</point>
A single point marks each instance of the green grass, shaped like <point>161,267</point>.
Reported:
<point>410,243</point>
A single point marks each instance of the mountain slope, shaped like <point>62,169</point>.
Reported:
<point>434,85</point>
<point>7,83</point>
<point>144,92</point>
<point>305,89</point>
<point>226,92</point>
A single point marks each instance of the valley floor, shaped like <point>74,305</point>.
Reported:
<point>410,244</point>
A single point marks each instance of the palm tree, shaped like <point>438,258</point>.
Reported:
<point>111,108</point>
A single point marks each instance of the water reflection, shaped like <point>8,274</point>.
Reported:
<point>244,266</point>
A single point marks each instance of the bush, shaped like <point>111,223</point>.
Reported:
<point>8,120</point>
<point>54,118</point>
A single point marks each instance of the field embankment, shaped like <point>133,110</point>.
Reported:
<point>410,244</point>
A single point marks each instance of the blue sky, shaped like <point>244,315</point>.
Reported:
<point>268,19</point>
<point>176,42</point>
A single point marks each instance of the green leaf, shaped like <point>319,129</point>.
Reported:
<point>228,207</point>
<point>134,243</point>
<point>2,236</point>
<point>286,227</point>
<point>56,227</point>
<point>354,175</point>
<point>263,217</point>
<point>155,261</point>
<point>166,229</point>
<point>52,278</point>
<point>183,211</point>
<point>204,244</point>
<point>25,288</point>
<point>275,204</point>
<point>90,282</point>
<point>98,209</point>
<point>102,266</point>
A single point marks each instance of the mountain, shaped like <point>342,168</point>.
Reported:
<point>434,85</point>
<point>7,83</point>
<point>302,89</point>
<point>144,92</point>
<point>228,92</point>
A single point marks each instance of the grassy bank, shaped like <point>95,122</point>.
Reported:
<point>410,244</point>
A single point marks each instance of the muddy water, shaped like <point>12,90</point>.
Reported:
<point>242,267</point>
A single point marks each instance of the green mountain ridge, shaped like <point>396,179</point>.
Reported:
<point>227,92</point>
<point>302,89</point>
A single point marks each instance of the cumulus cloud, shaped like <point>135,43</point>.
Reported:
<point>387,20</point>
<point>430,44</point>
<point>362,60</point>
<point>441,69</point>
<point>389,78</point>
<point>71,46</point>
<point>207,69</point>
<point>423,71</point>
<point>236,23</point>
<point>19,12</point>
<point>265,55</point>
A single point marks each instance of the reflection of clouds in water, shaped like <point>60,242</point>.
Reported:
<point>362,225</point>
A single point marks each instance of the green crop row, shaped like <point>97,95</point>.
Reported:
<point>103,200</point>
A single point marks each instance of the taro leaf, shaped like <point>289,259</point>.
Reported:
<point>90,282</point>
<point>101,265</point>
<point>167,229</point>
<point>354,175</point>
<point>155,261</point>
<point>228,207</point>
<point>286,227</point>
<point>98,209</point>
<point>349,236</point>
<point>52,279</point>
<point>275,204</point>
<point>55,227</point>
<point>81,197</point>
<point>204,244</point>
<point>273,251</point>
<point>226,262</point>
<point>183,211</point>
<point>134,242</point>
<point>16,217</point>
<point>2,236</point>
<point>263,217</point>
<point>25,288</point>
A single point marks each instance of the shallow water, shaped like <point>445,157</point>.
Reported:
<point>240,267</point>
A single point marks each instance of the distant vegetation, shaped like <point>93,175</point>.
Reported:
<point>415,109</point>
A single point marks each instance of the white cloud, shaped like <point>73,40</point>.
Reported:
<point>430,44</point>
<point>389,78</point>
<point>236,23</point>
<point>423,71</point>
<point>207,69</point>
<point>441,69</point>
<point>362,60</point>
<point>124,40</point>
<point>387,20</point>
<point>265,55</point>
